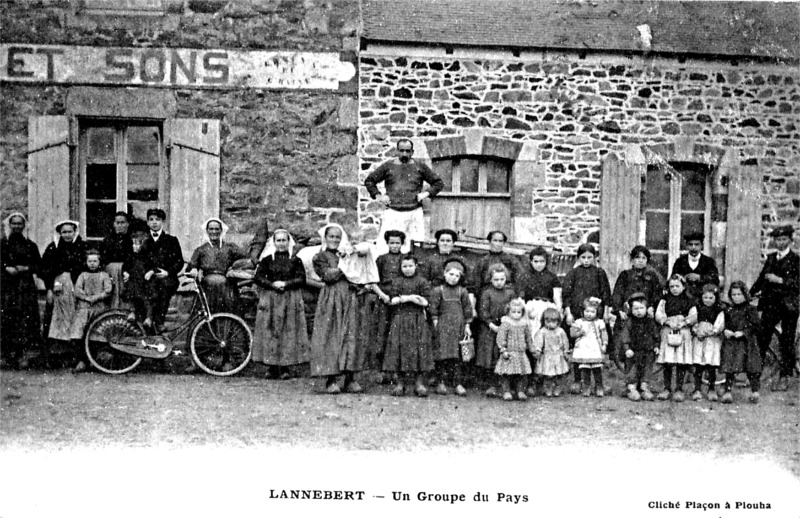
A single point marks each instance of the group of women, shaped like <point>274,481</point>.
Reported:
<point>59,269</point>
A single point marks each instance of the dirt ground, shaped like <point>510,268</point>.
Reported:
<point>119,429</point>
<point>57,409</point>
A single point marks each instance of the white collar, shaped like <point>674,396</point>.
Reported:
<point>694,261</point>
<point>156,235</point>
<point>780,255</point>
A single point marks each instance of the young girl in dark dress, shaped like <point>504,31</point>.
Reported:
<point>451,310</point>
<point>491,309</point>
<point>408,347</point>
<point>740,351</point>
<point>585,281</point>
<point>388,270</point>
<point>280,340</point>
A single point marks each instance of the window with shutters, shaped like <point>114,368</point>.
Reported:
<point>476,197</point>
<point>121,168</point>
<point>677,201</point>
<point>89,168</point>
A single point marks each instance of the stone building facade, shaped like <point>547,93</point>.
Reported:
<point>281,150</point>
<point>591,140</point>
<point>548,120</point>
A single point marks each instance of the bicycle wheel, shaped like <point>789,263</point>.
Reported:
<point>109,327</point>
<point>222,345</point>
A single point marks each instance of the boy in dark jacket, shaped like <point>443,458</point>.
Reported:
<point>640,340</point>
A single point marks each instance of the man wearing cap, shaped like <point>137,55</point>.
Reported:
<point>167,256</point>
<point>698,268</point>
<point>403,178</point>
<point>777,290</point>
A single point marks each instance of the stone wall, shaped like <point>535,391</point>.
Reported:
<point>578,110</point>
<point>288,155</point>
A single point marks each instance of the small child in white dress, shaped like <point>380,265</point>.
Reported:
<point>590,346</point>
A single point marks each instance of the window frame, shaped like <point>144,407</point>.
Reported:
<point>120,126</point>
<point>455,182</point>
<point>675,211</point>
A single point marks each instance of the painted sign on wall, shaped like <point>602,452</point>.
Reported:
<point>164,67</point>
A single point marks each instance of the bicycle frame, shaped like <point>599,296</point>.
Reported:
<point>200,312</point>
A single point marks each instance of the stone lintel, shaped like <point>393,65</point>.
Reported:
<point>684,149</point>
<point>132,103</point>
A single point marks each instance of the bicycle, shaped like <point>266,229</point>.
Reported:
<point>219,343</point>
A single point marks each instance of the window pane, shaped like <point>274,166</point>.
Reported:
<point>659,261</point>
<point>99,218</point>
<point>468,170</point>
<point>444,168</point>
<point>657,230</point>
<point>139,208</point>
<point>657,189</point>
<point>101,181</point>
<point>143,182</point>
<point>692,223</point>
<point>143,144</point>
<point>101,143</point>
<point>693,190</point>
<point>496,176</point>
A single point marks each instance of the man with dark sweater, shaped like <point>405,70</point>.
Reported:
<point>167,258</point>
<point>403,179</point>
<point>777,289</point>
<point>698,268</point>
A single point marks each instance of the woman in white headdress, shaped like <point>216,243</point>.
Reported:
<point>212,260</point>
<point>62,263</point>
<point>334,348</point>
<point>281,338</point>
<point>20,306</point>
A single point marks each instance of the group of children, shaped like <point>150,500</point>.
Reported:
<point>422,326</point>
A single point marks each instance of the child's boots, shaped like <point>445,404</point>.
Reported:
<point>633,394</point>
<point>645,393</point>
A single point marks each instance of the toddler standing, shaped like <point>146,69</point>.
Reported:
<point>513,341</point>
<point>550,347</point>
<point>639,338</point>
<point>92,290</point>
<point>707,341</point>
<point>591,341</point>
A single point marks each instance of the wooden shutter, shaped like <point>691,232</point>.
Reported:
<point>193,178</point>
<point>48,176</point>
<point>619,213</point>
<point>743,240</point>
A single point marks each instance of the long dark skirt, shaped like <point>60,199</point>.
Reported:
<point>334,348</point>
<point>20,322</point>
<point>280,336</point>
<point>408,347</point>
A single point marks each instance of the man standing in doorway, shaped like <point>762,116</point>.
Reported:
<point>403,178</point>
<point>777,289</point>
<point>698,268</point>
